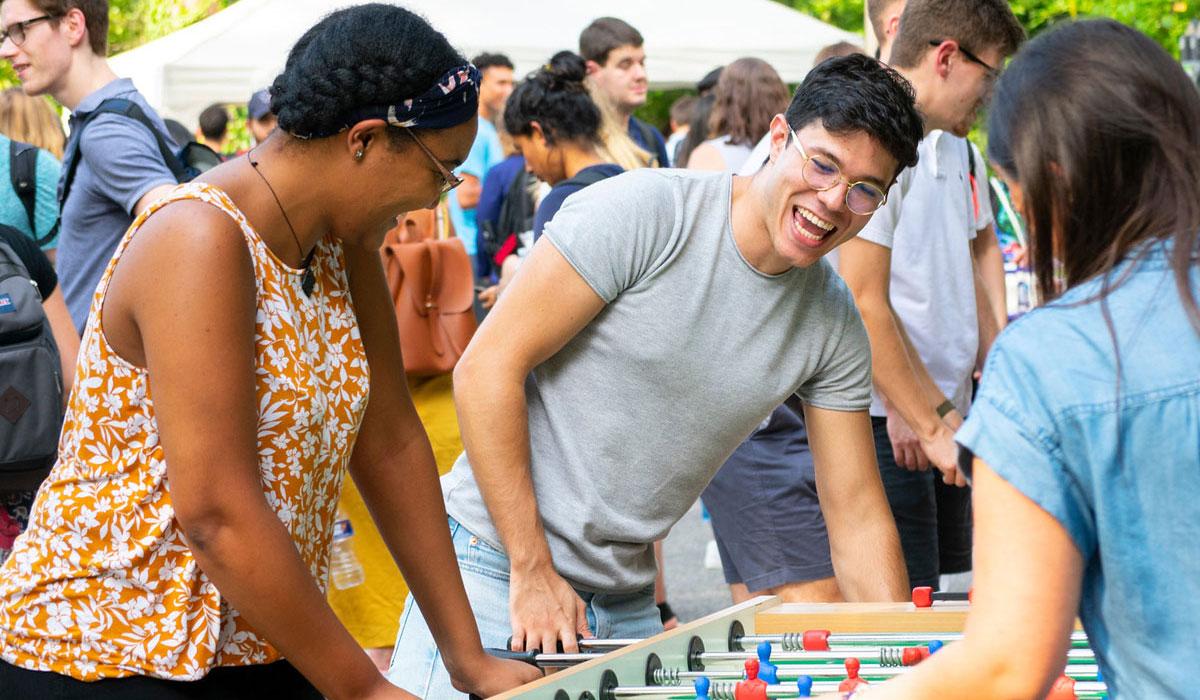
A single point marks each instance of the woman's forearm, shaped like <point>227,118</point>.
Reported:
<point>254,563</point>
<point>403,494</point>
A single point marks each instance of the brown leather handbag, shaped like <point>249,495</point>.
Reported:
<point>432,289</point>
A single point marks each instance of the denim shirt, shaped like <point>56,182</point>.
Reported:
<point>1117,466</point>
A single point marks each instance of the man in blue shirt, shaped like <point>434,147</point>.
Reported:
<point>616,64</point>
<point>121,170</point>
<point>497,85</point>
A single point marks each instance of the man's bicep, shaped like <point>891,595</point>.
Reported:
<point>842,443</point>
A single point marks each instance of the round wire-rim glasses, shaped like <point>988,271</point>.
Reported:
<point>822,174</point>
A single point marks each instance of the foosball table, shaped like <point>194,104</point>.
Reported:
<point>767,649</point>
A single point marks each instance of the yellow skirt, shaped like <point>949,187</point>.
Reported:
<point>372,610</point>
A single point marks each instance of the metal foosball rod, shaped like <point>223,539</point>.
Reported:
<point>678,677</point>
<point>823,640</point>
<point>887,656</point>
<point>727,690</point>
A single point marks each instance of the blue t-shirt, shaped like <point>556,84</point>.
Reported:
<point>1049,419</point>
<point>658,148</point>
<point>495,187</point>
<point>45,205</point>
<point>119,163</point>
<point>485,153</point>
<point>558,194</point>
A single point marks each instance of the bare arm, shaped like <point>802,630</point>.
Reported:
<point>546,305</point>
<point>468,192</point>
<point>706,157</point>
<point>862,533</point>
<point>989,284</point>
<point>66,337</point>
<point>394,469</point>
<point>897,369</point>
<point>1028,575</point>
<point>195,323</point>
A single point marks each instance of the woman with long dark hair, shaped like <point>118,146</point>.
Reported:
<point>557,126</point>
<point>1085,435</point>
<point>180,545</point>
<point>748,95</point>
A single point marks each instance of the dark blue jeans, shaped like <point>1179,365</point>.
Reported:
<point>934,520</point>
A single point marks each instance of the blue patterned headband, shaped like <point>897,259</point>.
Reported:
<point>452,100</point>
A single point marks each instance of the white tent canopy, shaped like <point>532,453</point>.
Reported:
<point>227,56</point>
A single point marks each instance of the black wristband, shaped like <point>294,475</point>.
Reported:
<point>665,611</point>
<point>945,408</point>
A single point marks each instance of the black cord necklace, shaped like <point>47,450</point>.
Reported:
<point>309,281</point>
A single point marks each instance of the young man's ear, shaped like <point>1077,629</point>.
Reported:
<point>943,55</point>
<point>779,136</point>
<point>76,25</point>
<point>592,67</point>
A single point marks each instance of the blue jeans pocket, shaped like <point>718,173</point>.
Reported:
<point>477,556</point>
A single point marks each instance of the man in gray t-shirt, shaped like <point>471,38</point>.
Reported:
<point>120,171</point>
<point>664,316</point>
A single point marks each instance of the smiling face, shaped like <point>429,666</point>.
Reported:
<point>395,174</point>
<point>803,223</point>
<point>622,78</point>
<point>42,60</point>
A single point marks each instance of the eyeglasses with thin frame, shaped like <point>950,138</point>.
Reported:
<point>16,31</point>
<point>992,72</point>
<point>822,174</point>
<point>449,179</point>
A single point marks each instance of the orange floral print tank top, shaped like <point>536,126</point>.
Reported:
<point>103,584</point>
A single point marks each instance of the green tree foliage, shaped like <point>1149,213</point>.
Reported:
<point>134,22</point>
<point>846,14</point>
<point>1163,20</point>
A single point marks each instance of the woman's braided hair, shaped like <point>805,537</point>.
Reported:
<point>361,56</point>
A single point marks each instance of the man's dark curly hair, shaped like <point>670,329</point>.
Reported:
<point>358,57</point>
<point>858,93</point>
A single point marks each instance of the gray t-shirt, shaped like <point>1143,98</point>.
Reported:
<point>632,418</point>
<point>119,163</point>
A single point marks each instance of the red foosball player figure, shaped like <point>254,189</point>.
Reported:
<point>853,680</point>
<point>753,688</point>
<point>1063,689</point>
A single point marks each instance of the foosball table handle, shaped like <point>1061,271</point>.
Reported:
<point>529,657</point>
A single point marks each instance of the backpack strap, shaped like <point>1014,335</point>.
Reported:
<point>127,108</point>
<point>974,184</point>
<point>22,171</point>
<point>647,132</point>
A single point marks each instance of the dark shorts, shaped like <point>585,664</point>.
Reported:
<point>934,520</point>
<point>277,680</point>
<point>765,514</point>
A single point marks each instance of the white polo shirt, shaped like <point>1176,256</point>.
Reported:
<point>929,222</point>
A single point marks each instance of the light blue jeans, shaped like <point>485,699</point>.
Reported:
<point>416,662</point>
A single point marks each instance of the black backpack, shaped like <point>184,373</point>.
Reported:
<point>185,164</point>
<point>22,172</point>
<point>516,216</point>
<point>31,385</point>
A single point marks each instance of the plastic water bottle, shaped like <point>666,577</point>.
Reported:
<point>347,571</point>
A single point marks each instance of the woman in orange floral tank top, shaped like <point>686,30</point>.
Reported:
<point>181,544</point>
